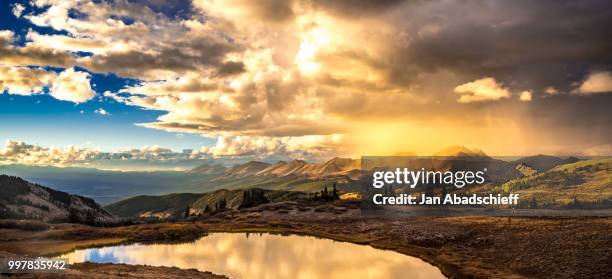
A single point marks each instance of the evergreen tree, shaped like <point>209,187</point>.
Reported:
<point>90,218</point>
<point>575,202</point>
<point>315,196</point>
<point>187,212</point>
<point>221,204</point>
<point>335,194</point>
<point>73,215</point>
<point>533,203</point>
<point>253,197</point>
<point>207,209</point>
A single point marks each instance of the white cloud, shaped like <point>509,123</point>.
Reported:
<point>484,89</point>
<point>23,80</point>
<point>525,96</point>
<point>21,153</point>
<point>101,111</point>
<point>66,43</point>
<point>18,152</point>
<point>310,147</point>
<point>72,86</point>
<point>69,85</point>
<point>18,9</point>
<point>596,82</point>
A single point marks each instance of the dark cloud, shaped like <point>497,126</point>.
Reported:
<point>231,68</point>
<point>356,7</point>
<point>169,8</point>
<point>273,10</point>
<point>525,44</point>
<point>32,54</point>
<point>203,54</point>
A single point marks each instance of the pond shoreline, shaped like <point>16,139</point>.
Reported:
<point>284,256</point>
<point>461,247</point>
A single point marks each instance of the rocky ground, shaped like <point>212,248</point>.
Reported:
<point>462,247</point>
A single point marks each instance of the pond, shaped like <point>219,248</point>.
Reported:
<point>267,256</point>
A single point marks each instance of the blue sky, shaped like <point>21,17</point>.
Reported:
<point>46,121</point>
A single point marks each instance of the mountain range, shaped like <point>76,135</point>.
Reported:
<point>452,158</point>
<point>107,187</point>
<point>333,168</point>
<point>548,179</point>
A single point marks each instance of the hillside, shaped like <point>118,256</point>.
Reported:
<point>207,169</point>
<point>246,169</point>
<point>175,205</point>
<point>582,184</point>
<point>20,199</point>
<point>545,162</point>
<point>153,206</point>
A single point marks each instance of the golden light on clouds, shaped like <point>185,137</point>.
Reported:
<point>312,42</point>
<point>389,76</point>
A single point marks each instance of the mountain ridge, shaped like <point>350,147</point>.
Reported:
<point>21,199</point>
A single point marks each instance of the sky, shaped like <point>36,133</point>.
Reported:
<point>85,81</point>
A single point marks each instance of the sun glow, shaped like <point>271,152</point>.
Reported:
<point>312,43</point>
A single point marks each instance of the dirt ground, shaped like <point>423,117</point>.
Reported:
<point>116,271</point>
<point>462,247</point>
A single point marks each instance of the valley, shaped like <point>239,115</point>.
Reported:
<point>322,200</point>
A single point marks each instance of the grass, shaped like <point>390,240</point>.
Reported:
<point>27,225</point>
<point>588,182</point>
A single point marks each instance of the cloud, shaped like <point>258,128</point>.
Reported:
<point>69,85</point>
<point>268,11</point>
<point>101,111</point>
<point>23,80</point>
<point>298,68</point>
<point>31,54</point>
<point>66,43</point>
<point>484,89</point>
<point>72,86</point>
<point>551,91</point>
<point>18,152</point>
<point>133,40</point>
<point>305,147</point>
<point>357,7</point>
<point>17,9</point>
<point>596,82</point>
<point>525,96</point>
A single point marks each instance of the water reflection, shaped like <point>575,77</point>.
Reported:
<point>267,256</point>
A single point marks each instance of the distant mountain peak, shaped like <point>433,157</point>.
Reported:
<point>459,150</point>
